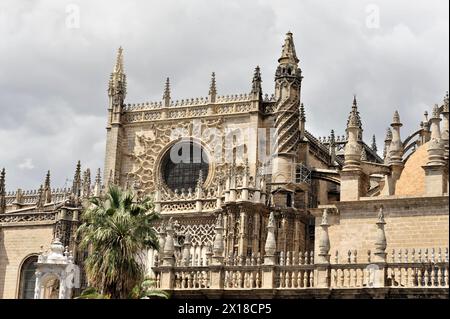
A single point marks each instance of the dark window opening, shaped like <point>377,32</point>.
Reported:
<point>28,278</point>
<point>181,166</point>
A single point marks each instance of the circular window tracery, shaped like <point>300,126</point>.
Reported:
<point>181,165</point>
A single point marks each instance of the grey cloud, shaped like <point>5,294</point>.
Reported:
<point>53,79</point>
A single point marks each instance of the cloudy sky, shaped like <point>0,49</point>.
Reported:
<point>56,57</point>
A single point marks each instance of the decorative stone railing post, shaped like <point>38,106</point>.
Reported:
<point>322,269</point>
<point>167,274</point>
<point>268,271</point>
<point>217,258</point>
<point>186,250</point>
<point>380,251</point>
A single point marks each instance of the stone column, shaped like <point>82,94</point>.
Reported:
<point>268,269</point>
<point>435,172</point>
<point>395,153</point>
<point>351,174</point>
<point>380,252</point>
<point>167,274</point>
<point>217,258</point>
<point>322,265</point>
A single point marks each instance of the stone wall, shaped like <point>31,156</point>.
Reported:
<point>16,244</point>
<point>418,223</point>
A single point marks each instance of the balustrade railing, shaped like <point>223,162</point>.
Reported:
<point>422,268</point>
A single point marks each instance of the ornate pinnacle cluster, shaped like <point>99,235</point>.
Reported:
<point>166,95</point>
<point>212,88</point>
<point>288,54</point>
<point>2,191</point>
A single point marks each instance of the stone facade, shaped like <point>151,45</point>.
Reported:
<point>273,208</point>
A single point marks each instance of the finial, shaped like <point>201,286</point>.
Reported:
<point>374,144</point>
<point>256,83</point>
<point>118,68</point>
<point>396,118</point>
<point>212,88</point>
<point>47,180</point>
<point>288,54</point>
<point>166,95</point>
<point>355,103</point>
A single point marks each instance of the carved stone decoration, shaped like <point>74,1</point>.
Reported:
<point>56,274</point>
<point>153,144</point>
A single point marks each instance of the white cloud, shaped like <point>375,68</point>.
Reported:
<point>53,79</point>
<point>27,164</point>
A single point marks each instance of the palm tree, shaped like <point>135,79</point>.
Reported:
<point>117,229</point>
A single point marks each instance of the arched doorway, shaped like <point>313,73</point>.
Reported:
<point>27,278</point>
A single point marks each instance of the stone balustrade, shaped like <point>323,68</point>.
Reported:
<point>299,271</point>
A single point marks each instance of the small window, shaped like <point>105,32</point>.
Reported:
<point>288,200</point>
<point>28,278</point>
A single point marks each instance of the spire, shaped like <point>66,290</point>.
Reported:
<point>76,186</point>
<point>212,88</point>
<point>117,82</point>
<point>47,180</point>
<point>355,118</point>
<point>332,147</point>
<point>352,150</point>
<point>288,54</point>
<point>166,95</point>
<point>118,68</point>
<point>435,146</point>
<point>47,189</point>
<point>2,191</point>
<point>256,84</point>
<point>374,144</point>
<point>396,145</point>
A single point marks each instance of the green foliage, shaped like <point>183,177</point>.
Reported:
<point>117,230</point>
<point>92,293</point>
<point>147,290</point>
